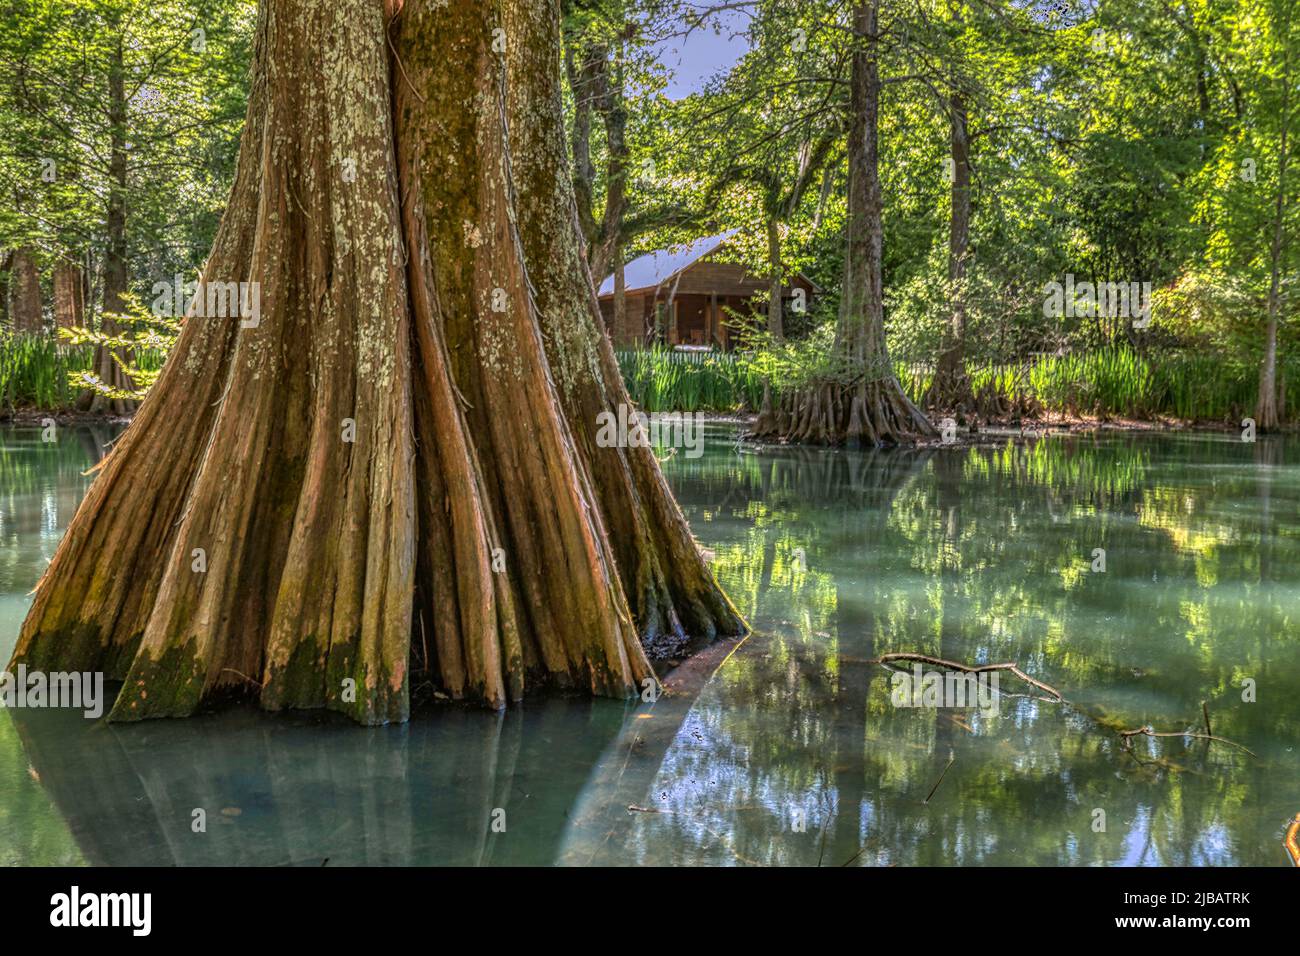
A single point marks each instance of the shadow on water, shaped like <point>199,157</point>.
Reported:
<point>296,790</point>
<point>290,788</point>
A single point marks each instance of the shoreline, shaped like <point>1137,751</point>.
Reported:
<point>1038,427</point>
<point>35,418</point>
<point>1001,428</point>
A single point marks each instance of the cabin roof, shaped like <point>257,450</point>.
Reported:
<point>656,268</point>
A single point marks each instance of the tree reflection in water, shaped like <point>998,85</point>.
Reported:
<point>981,555</point>
<point>971,554</point>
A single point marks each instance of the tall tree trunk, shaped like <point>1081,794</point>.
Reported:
<point>6,264</point>
<point>620,292</point>
<point>860,400</point>
<point>108,361</point>
<point>583,172</point>
<point>69,306</point>
<point>610,104</point>
<point>596,92</point>
<point>1267,414</point>
<point>828,179</point>
<point>775,326</point>
<point>404,444</point>
<point>951,387</point>
<point>26,280</point>
<point>767,421</point>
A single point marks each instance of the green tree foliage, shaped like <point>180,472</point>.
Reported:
<point>120,104</point>
<point>1143,141</point>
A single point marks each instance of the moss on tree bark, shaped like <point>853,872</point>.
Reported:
<point>393,471</point>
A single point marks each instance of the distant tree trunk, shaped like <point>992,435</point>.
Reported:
<point>69,306</point>
<point>767,421</point>
<point>620,292</point>
<point>595,91</point>
<point>861,400</point>
<point>610,104</point>
<point>1267,413</point>
<point>951,387</point>
<point>6,263</point>
<point>828,179</point>
<point>26,278</point>
<point>583,173</point>
<point>775,325</point>
<point>116,277</point>
<point>401,454</point>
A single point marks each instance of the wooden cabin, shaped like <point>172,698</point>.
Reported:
<point>679,296</point>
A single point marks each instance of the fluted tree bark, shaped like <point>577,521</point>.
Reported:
<point>389,467</point>
<point>665,577</point>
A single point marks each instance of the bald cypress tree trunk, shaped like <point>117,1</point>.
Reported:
<point>26,283</point>
<point>390,467</point>
<point>951,388</point>
<point>69,306</point>
<point>1267,411</point>
<point>859,400</point>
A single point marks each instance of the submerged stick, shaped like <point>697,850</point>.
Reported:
<point>952,757</point>
<point>1128,735</point>
<point>983,668</point>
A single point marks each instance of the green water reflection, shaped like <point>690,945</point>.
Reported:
<point>793,752</point>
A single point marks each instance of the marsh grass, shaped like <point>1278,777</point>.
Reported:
<point>1122,383</point>
<point>1114,382</point>
<point>665,380</point>
<point>36,370</point>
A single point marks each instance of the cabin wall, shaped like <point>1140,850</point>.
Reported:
<point>699,296</point>
<point>631,334</point>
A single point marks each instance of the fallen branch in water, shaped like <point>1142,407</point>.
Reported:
<point>1128,736</point>
<point>983,668</point>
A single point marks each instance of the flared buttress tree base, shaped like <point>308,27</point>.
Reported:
<point>379,470</point>
<point>837,413</point>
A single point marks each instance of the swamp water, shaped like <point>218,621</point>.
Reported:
<point>794,751</point>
